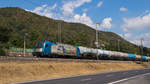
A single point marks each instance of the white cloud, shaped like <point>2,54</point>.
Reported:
<point>51,12</point>
<point>136,28</point>
<point>145,37</point>
<point>100,4</point>
<point>83,19</point>
<point>136,23</point>
<point>45,10</point>
<point>127,35</point>
<point>68,7</point>
<point>123,9</point>
<point>38,9</point>
<point>136,39</point>
<point>106,23</point>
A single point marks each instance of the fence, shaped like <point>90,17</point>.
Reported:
<point>20,50</point>
<point>12,51</point>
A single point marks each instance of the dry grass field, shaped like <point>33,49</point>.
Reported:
<point>11,72</point>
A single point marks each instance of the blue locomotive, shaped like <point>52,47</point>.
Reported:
<point>47,48</point>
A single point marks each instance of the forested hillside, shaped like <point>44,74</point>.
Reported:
<point>15,22</point>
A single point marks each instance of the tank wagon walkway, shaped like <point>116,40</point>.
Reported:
<point>103,78</point>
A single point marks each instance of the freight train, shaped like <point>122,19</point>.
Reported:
<point>47,48</point>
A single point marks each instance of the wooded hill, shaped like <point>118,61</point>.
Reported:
<point>15,22</point>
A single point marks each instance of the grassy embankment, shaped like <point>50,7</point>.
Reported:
<point>11,72</point>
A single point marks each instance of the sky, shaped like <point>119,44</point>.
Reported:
<point>128,18</point>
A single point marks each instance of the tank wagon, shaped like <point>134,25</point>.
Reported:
<point>47,48</point>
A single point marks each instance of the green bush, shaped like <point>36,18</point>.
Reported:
<point>2,52</point>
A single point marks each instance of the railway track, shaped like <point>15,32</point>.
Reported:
<point>30,59</point>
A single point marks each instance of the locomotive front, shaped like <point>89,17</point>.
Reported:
<point>38,49</point>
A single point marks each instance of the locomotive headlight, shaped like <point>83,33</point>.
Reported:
<point>38,50</point>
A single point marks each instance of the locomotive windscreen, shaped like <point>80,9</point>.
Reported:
<point>39,45</point>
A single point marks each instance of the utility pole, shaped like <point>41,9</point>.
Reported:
<point>96,35</point>
<point>141,49</point>
<point>118,45</point>
<point>25,43</point>
<point>96,42</point>
<point>141,46</point>
<point>59,31</point>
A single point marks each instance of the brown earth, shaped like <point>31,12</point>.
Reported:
<point>11,72</point>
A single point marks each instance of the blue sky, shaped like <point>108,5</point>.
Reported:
<point>128,18</point>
